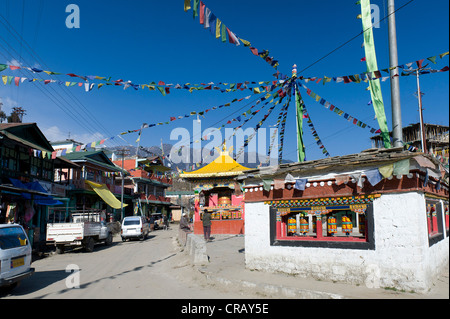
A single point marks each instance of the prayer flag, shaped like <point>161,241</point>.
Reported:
<point>387,170</point>
<point>232,37</point>
<point>187,5</point>
<point>224,33</point>
<point>202,12</point>
<point>212,22</point>
<point>300,184</point>
<point>371,60</point>
<point>267,183</point>
<point>195,8</point>
<point>401,167</point>
<point>218,26</point>
<point>207,17</point>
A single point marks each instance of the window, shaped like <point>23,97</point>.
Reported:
<point>435,219</point>
<point>446,217</point>
<point>12,237</point>
<point>345,222</point>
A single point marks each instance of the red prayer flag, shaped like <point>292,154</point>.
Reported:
<point>254,50</point>
<point>202,12</point>
<point>17,80</point>
<point>419,63</point>
<point>13,67</point>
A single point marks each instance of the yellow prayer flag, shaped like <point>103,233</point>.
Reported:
<point>386,171</point>
<point>187,5</point>
<point>218,23</point>
<point>246,43</point>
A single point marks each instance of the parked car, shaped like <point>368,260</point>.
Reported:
<point>79,229</point>
<point>134,227</point>
<point>15,255</point>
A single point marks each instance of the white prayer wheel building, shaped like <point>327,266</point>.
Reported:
<point>378,218</point>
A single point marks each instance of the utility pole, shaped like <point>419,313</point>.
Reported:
<point>422,126</point>
<point>122,152</point>
<point>423,139</point>
<point>397,129</point>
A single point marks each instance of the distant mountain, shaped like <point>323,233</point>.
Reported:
<point>156,151</point>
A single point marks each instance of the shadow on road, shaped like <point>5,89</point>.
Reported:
<point>38,281</point>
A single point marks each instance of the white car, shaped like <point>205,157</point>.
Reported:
<point>15,255</point>
<point>134,227</point>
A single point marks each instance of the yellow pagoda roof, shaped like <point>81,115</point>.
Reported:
<point>222,166</point>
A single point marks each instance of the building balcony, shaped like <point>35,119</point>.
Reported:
<point>154,198</point>
<point>146,175</point>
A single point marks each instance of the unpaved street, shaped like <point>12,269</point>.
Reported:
<point>153,268</point>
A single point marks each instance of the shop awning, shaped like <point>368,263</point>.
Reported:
<point>34,191</point>
<point>103,191</point>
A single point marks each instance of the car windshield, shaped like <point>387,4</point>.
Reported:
<point>134,221</point>
<point>12,237</point>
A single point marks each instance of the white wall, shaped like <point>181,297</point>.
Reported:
<point>402,257</point>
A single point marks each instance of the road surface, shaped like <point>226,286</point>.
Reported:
<point>153,268</point>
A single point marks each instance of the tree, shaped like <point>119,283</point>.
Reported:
<point>16,116</point>
<point>2,116</point>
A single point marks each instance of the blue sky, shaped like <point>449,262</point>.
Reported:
<point>145,41</point>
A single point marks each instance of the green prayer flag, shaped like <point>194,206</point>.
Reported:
<point>371,60</point>
<point>3,67</point>
<point>300,144</point>
<point>161,89</point>
<point>401,167</point>
<point>224,32</point>
<point>195,8</point>
<point>432,59</point>
<point>267,183</point>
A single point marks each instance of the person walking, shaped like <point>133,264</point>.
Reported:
<point>206,219</point>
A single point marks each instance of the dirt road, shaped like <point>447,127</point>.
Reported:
<point>153,268</point>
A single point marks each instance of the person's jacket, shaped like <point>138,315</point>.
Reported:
<point>206,219</point>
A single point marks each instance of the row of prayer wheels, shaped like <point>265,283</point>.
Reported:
<point>346,225</point>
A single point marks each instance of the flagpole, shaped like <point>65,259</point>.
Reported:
<point>397,130</point>
<point>294,73</point>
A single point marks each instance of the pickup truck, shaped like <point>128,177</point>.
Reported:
<point>85,228</point>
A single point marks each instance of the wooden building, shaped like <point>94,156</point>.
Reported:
<point>377,218</point>
<point>217,191</point>
<point>27,184</point>
<point>93,184</point>
<point>149,183</point>
<point>436,139</point>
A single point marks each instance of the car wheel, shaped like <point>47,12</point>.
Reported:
<point>89,247</point>
<point>60,249</point>
<point>109,240</point>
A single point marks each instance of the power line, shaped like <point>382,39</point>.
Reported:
<point>350,40</point>
<point>39,59</point>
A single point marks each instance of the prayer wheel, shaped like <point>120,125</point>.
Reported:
<point>224,198</point>
<point>292,225</point>
<point>347,226</point>
<point>362,223</point>
<point>304,225</point>
<point>331,226</point>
